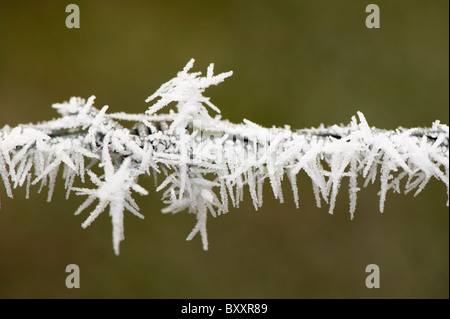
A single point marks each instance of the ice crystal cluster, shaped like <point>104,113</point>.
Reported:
<point>206,162</point>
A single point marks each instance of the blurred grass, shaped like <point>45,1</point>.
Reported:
<point>299,63</point>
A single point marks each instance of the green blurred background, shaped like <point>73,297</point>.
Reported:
<point>299,63</point>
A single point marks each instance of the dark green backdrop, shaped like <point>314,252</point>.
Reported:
<point>299,63</point>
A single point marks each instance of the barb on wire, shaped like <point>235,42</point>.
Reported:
<point>207,161</point>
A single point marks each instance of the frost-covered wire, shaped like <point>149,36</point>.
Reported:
<point>207,161</point>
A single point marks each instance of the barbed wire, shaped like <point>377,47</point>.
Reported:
<point>207,161</point>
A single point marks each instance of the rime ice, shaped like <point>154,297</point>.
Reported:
<point>207,162</point>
